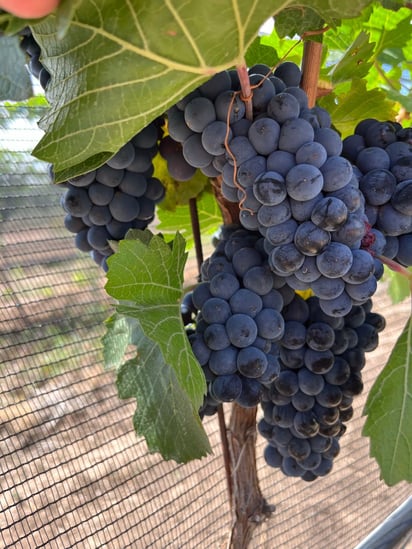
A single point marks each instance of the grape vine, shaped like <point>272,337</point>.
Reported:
<point>314,205</point>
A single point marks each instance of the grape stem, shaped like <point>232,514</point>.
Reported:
<point>395,267</point>
<point>311,63</point>
<point>247,93</point>
<point>249,507</point>
<point>194,218</point>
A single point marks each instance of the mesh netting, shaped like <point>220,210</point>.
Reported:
<point>73,473</point>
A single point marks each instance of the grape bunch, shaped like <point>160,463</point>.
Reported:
<point>307,406</point>
<point>238,320</point>
<point>381,153</point>
<point>286,171</point>
<point>103,204</point>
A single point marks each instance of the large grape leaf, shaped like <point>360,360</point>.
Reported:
<point>121,64</point>
<point>389,411</point>
<point>297,21</point>
<point>164,413</point>
<point>146,275</point>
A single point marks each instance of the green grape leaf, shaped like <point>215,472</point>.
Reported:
<point>210,219</point>
<point>291,22</point>
<point>356,61</point>
<point>146,275</point>
<point>113,74</point>
<point>346,108</point>
<point>259,53</point>
<point>164,413</point>
<point>389,413</point>
<point>284,48</point>
<point>15,83</point>
<point>398,285</point>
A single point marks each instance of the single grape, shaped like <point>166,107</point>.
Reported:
<point>270,324</point>
<point>311,153</point>
<point>311,239</point>
<point>329,213</point>
<point>280,162</point>
<point>124,207</point>
<point>194,153</point>
<point>241,330</point>
<point>335,261</point>
<point>123,158</point>
<point>264,135</point>
<point>330,139</point>
<point>251,362</point>
<point>245,301</point>
<point>216,336</point>
<point>304,182</point>
<point>294,133</point>
<point>199,113</point>
<point>83,180</point>
<point>269,188</point>
<point>214,137</point>
<point>76,201</point>
<point>226,388</point>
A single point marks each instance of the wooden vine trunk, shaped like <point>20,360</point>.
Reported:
<point>249,507</point>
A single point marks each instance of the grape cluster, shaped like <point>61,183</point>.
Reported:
<point>382,155</point>
<point>238,320</point>
<point>103,204</point>
<point>307,405</point>
<point>286,170</point>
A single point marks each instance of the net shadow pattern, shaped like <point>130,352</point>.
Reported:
<point>73,473</point>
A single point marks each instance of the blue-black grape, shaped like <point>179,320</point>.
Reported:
<point>269,188</point>
<point>282,107</point>
<point>294,133</point>
<point>304,182</point>
<point>199,113</point>
<point>310,239</point>
<point>311,153</point>
<point>264,135</point>
<point>245,301</point>
<point>251,362</point>
<point>76,201</point>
